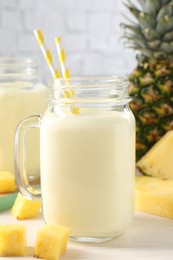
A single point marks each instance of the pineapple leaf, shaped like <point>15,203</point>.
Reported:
<point>163,2</point>
<point>131,4</point>
<point>142,3</point>
<point>134,11</point>
<point>168,36</point>
<point>164,24</point>
<point>165,10</point>
<point>154,44</point>
<point>153,28</point>
<point>150,6</point>
<point>146,20</point>
<point>144,50</point>
<point>167,46</point>
<point>135,29</point>
<point>136,40</point>
<point>150,34</point>
<point>129,20</point>
<point>133,36</point>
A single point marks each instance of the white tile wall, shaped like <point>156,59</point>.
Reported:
<point>90,29</point>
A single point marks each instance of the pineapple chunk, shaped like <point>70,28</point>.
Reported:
<point>154,196</point>
<point>12,240</point>
<point>158,161</point>
<point>24,208</point>
<point>51,242</point>
<point>7,182</point>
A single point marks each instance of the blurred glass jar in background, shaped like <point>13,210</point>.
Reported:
<point>21,94</point>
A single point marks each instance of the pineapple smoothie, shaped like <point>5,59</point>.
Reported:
<point>19,100</point>
<point>87,172</point>
<point>87,157</point>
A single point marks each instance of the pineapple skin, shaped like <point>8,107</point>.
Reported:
<point>12,240</point>
<point>151,87</point>
<point>7,182</point>
<point>24,208</point>
<point>51,242</point>
<point>158,161</point>
<point>154,196</point>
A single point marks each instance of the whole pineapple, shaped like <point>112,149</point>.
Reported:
<point>152,81</point>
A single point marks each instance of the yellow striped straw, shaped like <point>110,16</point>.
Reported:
<point>47,53</point>
<point>62,57</point>
<point>65,70</point>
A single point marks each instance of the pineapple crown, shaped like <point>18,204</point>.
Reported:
<point>152,31</point>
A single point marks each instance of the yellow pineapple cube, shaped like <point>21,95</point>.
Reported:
<point>158,161</point>
<point>24,208</point>
<point>12,240</point>
<point>51,242</point>
<point>7,182</point>
<point>154,196</point>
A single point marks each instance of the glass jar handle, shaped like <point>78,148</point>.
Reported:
<point>20,156</point>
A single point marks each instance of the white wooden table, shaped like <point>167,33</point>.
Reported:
<point>149,237</point>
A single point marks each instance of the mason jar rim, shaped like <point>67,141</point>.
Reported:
<point>90,79</point>
<point>18,67</point>
<point>10,61</point>
<point>90,90</point>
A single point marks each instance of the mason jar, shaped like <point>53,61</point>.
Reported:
<point>21,94</point>
<point>87,157</point>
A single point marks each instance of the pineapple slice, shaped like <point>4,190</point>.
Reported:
<point>158,161</point>
<point>12,240</point>
<point>51,242</point>
<point>24,208</point>
<point>154,196</point>
<point>7,182</point>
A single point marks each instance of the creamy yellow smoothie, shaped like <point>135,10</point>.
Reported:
<point>87,171</point>
<point>19,100</point>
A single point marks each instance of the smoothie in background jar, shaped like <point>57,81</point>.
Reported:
<point>21,94</point>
